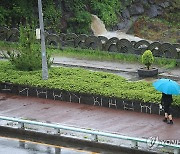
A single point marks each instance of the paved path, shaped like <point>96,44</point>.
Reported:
<point>127,70</point>
<point>85,116</point>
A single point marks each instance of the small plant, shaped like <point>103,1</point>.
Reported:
<point>147,58</point>
<point>27,57</point>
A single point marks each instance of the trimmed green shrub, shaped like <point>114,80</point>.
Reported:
<point>147,58</point>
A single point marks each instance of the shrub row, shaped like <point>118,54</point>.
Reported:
<point>84,81</point>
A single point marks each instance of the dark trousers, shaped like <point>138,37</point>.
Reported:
<point>167,109</point>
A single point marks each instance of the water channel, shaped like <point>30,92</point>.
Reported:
<point>18,146</point>
<point>7,145</point>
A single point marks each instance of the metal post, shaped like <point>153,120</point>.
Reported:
<point>58,131</point>
<point>94,138</point>
<point>134,144</point>
<point>20,125</point>
<point>43,48</point>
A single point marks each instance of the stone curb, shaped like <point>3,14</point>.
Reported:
<point>90,99</point>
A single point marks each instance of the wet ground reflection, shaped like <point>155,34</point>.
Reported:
<point>9,146</point>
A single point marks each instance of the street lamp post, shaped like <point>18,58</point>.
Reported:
<point>43,48</point>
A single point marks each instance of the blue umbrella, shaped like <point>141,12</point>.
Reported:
<point>167,86</point>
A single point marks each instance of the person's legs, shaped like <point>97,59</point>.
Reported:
<point>170,120</point>
<point>165,117</point>
<point>166,110</point>
<point>170,117</point>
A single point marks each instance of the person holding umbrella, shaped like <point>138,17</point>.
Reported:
<point>168,88</point>
<point>166,101</point>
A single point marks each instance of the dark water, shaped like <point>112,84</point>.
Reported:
<point>15,146</point>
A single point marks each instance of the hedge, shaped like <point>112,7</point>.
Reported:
<point>84,81</point>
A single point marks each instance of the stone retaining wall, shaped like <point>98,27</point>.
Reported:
<point>83,41</point>
<point>96,100</point>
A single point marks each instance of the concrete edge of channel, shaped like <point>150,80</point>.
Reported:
<point>57,140</point>
<point>92,67</point>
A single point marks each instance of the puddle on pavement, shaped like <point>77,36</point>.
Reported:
<point>149,79</point>
<point>129,76</point>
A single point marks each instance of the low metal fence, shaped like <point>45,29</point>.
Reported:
<point>95,134</point>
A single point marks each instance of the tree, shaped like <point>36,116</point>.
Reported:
<point>28,55</point>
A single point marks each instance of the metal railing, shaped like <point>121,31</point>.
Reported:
<point>95,134</point>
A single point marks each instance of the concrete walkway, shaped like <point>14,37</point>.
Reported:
<point>123,122</point>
